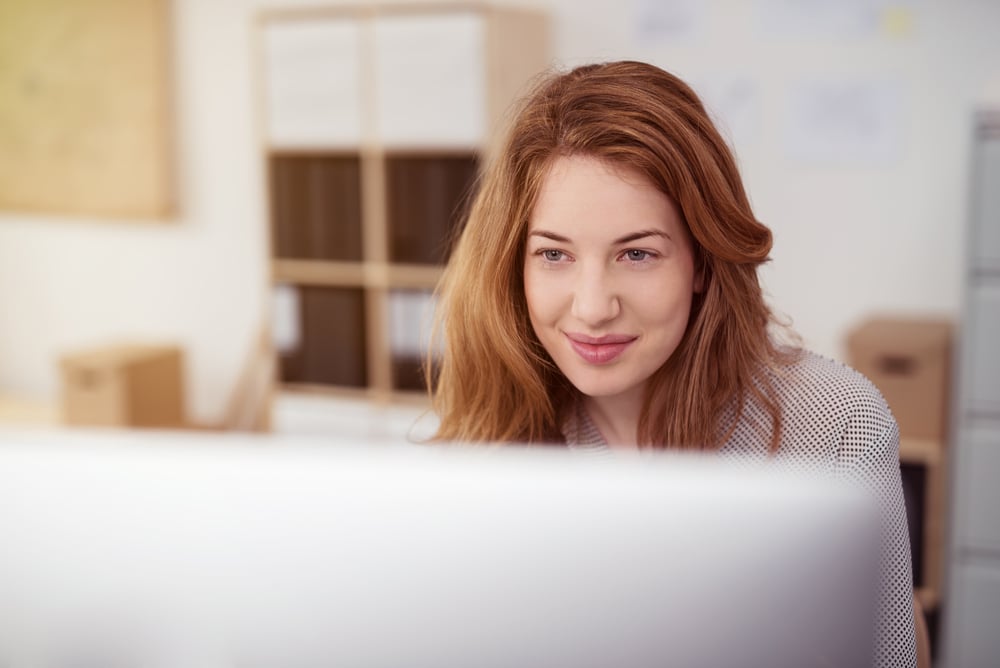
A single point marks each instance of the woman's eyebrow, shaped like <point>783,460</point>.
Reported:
<point>632,236</point>
<point>549,235</point>
<point>641,234</point>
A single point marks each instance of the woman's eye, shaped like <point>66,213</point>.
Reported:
<point>552,255</point>
<point>636,255</point>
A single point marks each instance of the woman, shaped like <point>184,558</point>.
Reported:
<point>604,294</point>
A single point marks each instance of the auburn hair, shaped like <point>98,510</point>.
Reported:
<point>494,382</point>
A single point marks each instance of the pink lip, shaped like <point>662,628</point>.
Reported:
<point>600,350</point>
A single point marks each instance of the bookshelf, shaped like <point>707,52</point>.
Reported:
<point>375,120</point>
<point>924,464</point>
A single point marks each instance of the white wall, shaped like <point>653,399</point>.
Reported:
<point>850,240</point>
<point>67,283</point>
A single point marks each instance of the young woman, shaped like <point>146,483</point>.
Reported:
<point>604,294</point>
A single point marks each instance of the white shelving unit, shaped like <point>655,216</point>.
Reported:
<point>375,118</point>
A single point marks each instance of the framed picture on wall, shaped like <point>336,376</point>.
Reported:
<point>85,107</point>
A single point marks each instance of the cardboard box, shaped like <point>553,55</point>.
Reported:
<point>909,360</point>
<point>124,385</point>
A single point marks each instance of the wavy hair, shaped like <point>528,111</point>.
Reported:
<point>495,382</point>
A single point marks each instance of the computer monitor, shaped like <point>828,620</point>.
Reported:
<point>179,550</point>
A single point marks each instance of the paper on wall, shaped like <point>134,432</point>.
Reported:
<point>818,18</point>
<point>844,122</point>
<point>669,21</point>
<point>844,19</point>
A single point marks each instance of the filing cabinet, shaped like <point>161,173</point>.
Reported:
<point>972,604</point>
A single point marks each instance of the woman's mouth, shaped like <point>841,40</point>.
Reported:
<point>601,349</point>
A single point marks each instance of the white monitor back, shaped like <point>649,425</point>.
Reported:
<point>165,550</point>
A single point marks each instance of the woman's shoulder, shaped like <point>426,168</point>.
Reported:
<point>828,410</point>
<point>821,386</point>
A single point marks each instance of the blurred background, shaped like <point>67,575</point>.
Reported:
<point>230,214</point>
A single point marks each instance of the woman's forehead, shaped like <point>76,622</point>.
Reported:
<point>584,194</point>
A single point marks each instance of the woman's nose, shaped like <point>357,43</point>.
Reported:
<point>595,299</point>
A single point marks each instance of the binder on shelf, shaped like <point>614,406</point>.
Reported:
<point>317,207</point>
<point>332,347</point>
<point>427,197</point>
<point>410,320</point>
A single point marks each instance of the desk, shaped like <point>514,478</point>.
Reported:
<point>28,412</point>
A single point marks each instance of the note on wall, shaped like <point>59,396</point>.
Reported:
<point>818,18</point>
<point>84,107</point>
<point>844,122</point>
<point>667,22</point>
<point>899,17</point>
<point>838,19</point>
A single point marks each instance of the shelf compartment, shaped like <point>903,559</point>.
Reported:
<point>923,475</point>
<point>428,195</point>
<point>409,315</point>
<point>316,206</point>
<point>323,338</point>
<point>313,80</point>
<point>430,77</point>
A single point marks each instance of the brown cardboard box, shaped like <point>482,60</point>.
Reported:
<point>124,385</point>
<point>909,360</point>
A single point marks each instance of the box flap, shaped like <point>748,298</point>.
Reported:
<point>901,334</point>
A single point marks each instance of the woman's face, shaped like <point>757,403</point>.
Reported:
<point>609,275</point>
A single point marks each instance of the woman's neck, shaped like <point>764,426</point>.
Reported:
<point>617,417</point>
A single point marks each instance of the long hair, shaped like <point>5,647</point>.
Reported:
<point>495,381</point>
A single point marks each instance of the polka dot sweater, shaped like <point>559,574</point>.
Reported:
<point>835,421</point>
